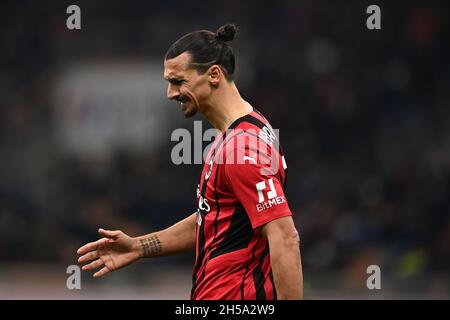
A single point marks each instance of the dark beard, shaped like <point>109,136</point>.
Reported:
<point>190,111</point>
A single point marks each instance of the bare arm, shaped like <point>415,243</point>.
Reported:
<point>117,250</point>
<point>178,238</point>
<point>285,257</point>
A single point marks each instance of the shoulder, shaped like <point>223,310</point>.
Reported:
<point>251,131</point>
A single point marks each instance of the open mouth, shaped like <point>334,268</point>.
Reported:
<point>183,103</point>
<point>183,100</point>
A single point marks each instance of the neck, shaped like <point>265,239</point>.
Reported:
<point>225,106</point>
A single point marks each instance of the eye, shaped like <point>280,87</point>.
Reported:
<point>176,82</point>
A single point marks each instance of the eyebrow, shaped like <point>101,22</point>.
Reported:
<point>174,79</point>
<point>170,77</point>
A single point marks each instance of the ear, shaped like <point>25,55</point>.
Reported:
<point>214,74</point>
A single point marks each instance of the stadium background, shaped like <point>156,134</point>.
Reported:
<point>364,119</point>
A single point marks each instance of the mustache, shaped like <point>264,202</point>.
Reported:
<point>182,99</point>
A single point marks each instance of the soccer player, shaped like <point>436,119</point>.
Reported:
<point>246,244</point>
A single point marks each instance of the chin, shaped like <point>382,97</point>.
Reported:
<point>190,111</point>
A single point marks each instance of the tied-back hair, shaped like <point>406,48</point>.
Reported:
<point>207,48</point>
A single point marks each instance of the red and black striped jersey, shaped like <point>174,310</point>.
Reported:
<point>241,189</point>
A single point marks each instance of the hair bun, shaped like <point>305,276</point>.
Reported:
<point>226,32</point>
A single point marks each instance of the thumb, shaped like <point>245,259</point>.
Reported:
<point>108,233</point>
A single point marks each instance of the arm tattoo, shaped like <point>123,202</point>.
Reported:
<point>151,246</point>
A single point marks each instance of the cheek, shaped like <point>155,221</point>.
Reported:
<point>190,93</point>
<point>197,90</point>
<point>186,90</point>
<point>202,91</point>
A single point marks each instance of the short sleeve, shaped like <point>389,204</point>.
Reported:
<point>260,192</point>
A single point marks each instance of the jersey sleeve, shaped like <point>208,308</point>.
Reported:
<point>257,188</point>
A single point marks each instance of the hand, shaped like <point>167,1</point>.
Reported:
<point>114,251</point>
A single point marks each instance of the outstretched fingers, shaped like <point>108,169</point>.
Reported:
<point>101,272</point>
<point>108,233</point>
<point>90,246</point>
<point>93,265</point>
<point>92,250</point>
<point>88,256</point>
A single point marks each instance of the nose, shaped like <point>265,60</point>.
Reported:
<point>172,93</point>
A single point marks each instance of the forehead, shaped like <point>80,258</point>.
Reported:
<point>176,66</point>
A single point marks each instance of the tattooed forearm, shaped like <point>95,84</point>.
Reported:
<point>151,246</point>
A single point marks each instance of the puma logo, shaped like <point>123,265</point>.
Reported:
<point>250,158</point>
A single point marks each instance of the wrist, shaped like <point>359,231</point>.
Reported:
<point>149,246</point>
<point>138,248</point>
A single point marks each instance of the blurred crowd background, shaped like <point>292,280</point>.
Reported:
<point>364,118</point>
